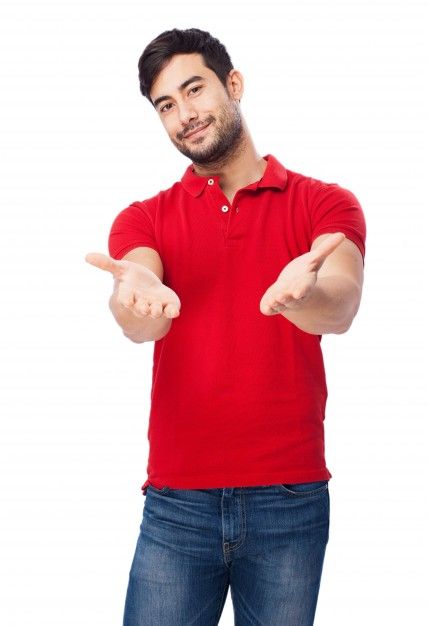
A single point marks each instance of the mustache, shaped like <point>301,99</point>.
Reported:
<point>193,128</point>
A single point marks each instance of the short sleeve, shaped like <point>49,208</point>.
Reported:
<point>334,208</point>
<point>133,227</point>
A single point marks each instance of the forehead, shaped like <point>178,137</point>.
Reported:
<point>178,69</point>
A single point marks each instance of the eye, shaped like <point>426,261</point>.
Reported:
<point>169,103</point>
<point>163,108</point>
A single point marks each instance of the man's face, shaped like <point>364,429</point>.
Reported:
<point>202,102</point>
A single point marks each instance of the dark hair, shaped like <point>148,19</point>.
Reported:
<point>158,52</point>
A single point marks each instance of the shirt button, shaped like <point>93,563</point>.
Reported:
<point>225,208</point>
<point>211,181</point>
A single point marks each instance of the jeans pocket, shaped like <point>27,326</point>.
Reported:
<point>305,489</point>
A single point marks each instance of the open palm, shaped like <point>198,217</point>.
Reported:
<point>296,281</point>
<point>138,288</point>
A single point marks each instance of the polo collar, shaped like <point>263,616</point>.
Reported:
<point>275,175</point>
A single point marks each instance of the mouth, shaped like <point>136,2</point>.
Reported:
<point>197,132</point>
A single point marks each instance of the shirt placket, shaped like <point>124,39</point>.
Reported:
<point>224,211</point>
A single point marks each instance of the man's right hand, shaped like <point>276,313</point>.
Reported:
<point>137,288</point>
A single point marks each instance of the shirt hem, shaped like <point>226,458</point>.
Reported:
<point>237,480</point>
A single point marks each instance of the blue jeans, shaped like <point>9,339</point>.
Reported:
<point>267,543</point>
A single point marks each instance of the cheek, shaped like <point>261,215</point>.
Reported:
<point>172,127</point>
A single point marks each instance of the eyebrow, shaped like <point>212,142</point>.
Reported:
<point>181,87</point>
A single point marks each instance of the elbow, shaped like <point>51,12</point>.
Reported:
<point>347,322</point>
<point>343,329</point>
<point>346,325</point>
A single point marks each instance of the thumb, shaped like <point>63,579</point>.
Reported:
<point>325,248</point>
<point>104,262</point>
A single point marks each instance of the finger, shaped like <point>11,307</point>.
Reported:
<point>281,300</point>
<point>266,310</point>
<point>278,308</point>
<point>270,305</point>
<point>142,306</point>
<point>171,311</point>
<point>297,293</point>
<point>156,309</point>
<point>326,247</point>
<point>145,308</point>
<point>288,300</point>
<point>286,303</point>
<point>104,262</point>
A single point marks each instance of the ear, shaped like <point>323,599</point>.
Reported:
<point>235,83</point>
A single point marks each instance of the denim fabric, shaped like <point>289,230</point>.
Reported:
<point>266,543</point>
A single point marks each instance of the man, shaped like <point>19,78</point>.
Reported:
<point>236,271</point>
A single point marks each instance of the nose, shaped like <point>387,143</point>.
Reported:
<point>186,115</point>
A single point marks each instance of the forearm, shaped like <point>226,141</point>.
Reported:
<point>330,307</point>
<point>139,329</point>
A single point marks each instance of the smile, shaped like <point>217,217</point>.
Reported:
<point>197,132</point>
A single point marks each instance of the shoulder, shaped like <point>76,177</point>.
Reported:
<point>316,187</point>
<point>163,197</point>
<point>319,190</point>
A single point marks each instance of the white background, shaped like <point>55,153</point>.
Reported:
<point>335,90</point>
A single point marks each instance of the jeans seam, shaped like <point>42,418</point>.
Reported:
<point>244,526</point>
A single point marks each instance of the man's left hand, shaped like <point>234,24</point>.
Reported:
<point>298,278</point>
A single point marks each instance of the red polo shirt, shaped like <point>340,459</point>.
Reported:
<point>238,398</point>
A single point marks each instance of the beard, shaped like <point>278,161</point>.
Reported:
<point>227,134</point>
